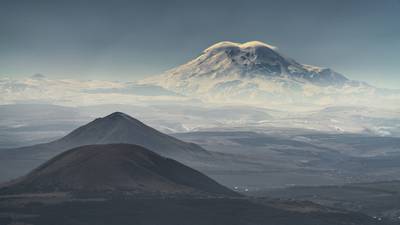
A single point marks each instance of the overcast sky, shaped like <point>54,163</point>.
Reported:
<point>128,40</point>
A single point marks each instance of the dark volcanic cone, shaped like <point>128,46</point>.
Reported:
<point>122,128</point>
<point>115,168</point>
<point>116,128</point>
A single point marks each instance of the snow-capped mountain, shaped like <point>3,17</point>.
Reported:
<point>258,72</point>
<point>253,59</point>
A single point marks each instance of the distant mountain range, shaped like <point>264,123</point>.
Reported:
<point>121,168</point>
<point>258,72</point>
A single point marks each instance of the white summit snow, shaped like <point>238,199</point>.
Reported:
<point>250,44</point>
<point>255,72</point>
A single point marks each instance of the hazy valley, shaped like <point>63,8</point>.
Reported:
<point>241,134</point>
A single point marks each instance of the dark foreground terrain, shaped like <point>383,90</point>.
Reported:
<point>129,184</point>
<point>63,210</point>
<point>380,200</point>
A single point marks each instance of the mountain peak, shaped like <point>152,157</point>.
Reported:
<point>255,44</point>
<point>119,127</point>
<point>116,168</point>
<point>223,45</point>
<point>119,115</point>
<point>254,73</point>
<point>116,128</point>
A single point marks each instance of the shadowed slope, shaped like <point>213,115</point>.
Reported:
<point>122,128</point>
<point>114,128</point>
<point>115,168</point>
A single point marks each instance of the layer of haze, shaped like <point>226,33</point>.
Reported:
<point>128,40</point>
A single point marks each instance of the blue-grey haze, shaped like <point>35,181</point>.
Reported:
<point>128,40</point>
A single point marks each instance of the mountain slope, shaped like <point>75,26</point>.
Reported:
<point>256,72</point>
<point>115,167</point>
<point>250,59</point>
<point>114,128</point>
<point>125,184</point>
<point>122,128</point>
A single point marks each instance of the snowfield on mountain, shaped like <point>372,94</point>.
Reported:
<point>255,72</point>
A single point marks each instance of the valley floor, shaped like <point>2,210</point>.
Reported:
<point>64,210</point>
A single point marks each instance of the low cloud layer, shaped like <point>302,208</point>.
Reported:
<point>69,92</point>
<point>39,89</point>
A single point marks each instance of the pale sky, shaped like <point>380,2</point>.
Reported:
<point>128,40</point>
